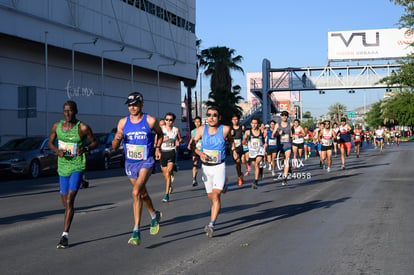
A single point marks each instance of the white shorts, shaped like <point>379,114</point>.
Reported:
<point>214,177</point>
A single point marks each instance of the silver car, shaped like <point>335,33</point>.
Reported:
<point>29,156</point>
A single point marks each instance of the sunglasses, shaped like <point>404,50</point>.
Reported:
<point>213,115</point>
<point>168,119</point>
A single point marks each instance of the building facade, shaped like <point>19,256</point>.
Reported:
<point>95,53</point>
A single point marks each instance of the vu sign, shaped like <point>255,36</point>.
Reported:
<point>369,44</point>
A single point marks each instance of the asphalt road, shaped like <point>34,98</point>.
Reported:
<point>356,221</point>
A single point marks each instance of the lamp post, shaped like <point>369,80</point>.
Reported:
<point>102,65</point>
<point>132,67</point>
<point>73,56</point>
<point>158,83</point>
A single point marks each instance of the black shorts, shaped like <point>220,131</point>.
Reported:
<point>299,145</point>
<point>166,157</point>
<point>271,150</point>
<point>326,148</point>
<point>357,143</point>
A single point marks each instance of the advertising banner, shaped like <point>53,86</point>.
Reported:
<point>369,44</point>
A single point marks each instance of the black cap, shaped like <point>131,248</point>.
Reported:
<point>284,113</point>
<point>134,98</point>
<point>343,119</point>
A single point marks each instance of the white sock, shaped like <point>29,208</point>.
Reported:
<point>66,234</point>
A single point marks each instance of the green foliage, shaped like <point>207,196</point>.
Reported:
<point>336,111</point>
<point>373,118</point>
<point>226,102</point>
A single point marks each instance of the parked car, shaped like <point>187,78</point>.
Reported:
<point>29,156</point>
<point>103,157</point>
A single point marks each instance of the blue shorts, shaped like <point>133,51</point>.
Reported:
<point>132,168</point>
<point>71,182</point>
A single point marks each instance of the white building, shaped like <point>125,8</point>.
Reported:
<point>94,52</point>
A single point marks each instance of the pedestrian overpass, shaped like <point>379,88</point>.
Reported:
<point>349,77</point>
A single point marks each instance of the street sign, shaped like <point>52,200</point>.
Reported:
<point>351,114</point>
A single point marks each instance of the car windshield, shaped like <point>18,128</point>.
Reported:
<point>22,144</point>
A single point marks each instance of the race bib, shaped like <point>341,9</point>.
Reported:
<point>168,144</point>
<point>284,138</point>
<point>237,142</point>
<point>68,147</point>
<point>326,142</point>
<point>136,152</point>
<point>255,143</point>
<point>272,142</point>
<point>213,156</point>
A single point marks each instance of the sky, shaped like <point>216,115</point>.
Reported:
<point>290,34</point>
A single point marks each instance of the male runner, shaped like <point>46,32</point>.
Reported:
<point>195,157</point>
<point>213,137</point>
<point>318,145</point>
<point>379,137</point>
<point>237,135</point>
<point>138,132</point>
<point>255,139</point>
<point>335,141</point>
<point>172,137</point>
<point>283,131</point>
<point>271,147</point>
<point>308,142</point>
<point>70,133</point>
<point>344,141</point>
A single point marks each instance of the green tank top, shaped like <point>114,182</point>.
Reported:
<point>70,141</point>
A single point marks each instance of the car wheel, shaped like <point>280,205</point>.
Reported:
<point>106,163</point>
<point>34,169</point>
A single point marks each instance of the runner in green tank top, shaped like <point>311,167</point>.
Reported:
<point>70,133</point>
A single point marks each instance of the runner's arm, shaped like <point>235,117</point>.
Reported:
<point>119,133</point>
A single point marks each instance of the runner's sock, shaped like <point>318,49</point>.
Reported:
<point>153,215</point>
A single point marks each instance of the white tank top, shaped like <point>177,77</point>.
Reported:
<point>169,144</point>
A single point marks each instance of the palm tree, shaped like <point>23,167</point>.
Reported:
<point>218,62</point>
<point>337,111</point>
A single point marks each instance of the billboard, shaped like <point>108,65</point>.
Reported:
<point>369,44</point>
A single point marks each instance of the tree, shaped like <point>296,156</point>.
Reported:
<point>218,62</point>
<point>307,114</point>
<point>374,115</point>
<point>226,103</point>
<point>336,111</point>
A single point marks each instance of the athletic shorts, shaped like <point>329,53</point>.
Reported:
<point>166,157</point>
<point>379,139</point>
<point>132,169</point>
<point>318,147</point>
<point>346,145</point>
<point>357,143</point>
<point>214,176</point>
<point>299,145</point>
<point>271,150</point>
<point>326,148</point>
<point>71,182</point>
<point>284,147</point>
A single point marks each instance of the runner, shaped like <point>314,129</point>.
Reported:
<point>245,156</point>
<point>255,138</point>
<point>191,146</point>
<point>137,131</point>
<point>70,133</point>
<point>308,142</point>
<point>357,139</point>
<point>285,138</point>
<point>213,136</point>
<point>379,137</point>
<point>367,135</point>
<point>397,137</point>
<point>297,143</point>
<point>172,137</point>
<point>271,147</point>
<point>326,137</point>
<point>344,141</point>
<point>335,141</point>
<point>318,145</point>
<point>237,135</point>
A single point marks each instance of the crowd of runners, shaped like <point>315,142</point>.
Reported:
<point>280,147</point>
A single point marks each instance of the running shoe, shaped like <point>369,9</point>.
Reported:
<point>166,198</point>
<point>343,167</point>
<point>85,183</point>
<point>240,181</point>
<point>155,223</point>
<point>273,173</point>
<point>209,230</point>
<point>246,173</point>
<point>328,169</point>
<point>195,183</point>
<point>284,181</point>
<point>63,243</point>
<point>357,155</point>
<point>270,167</point>
<point>255,184</point>
<point>135,239</point>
